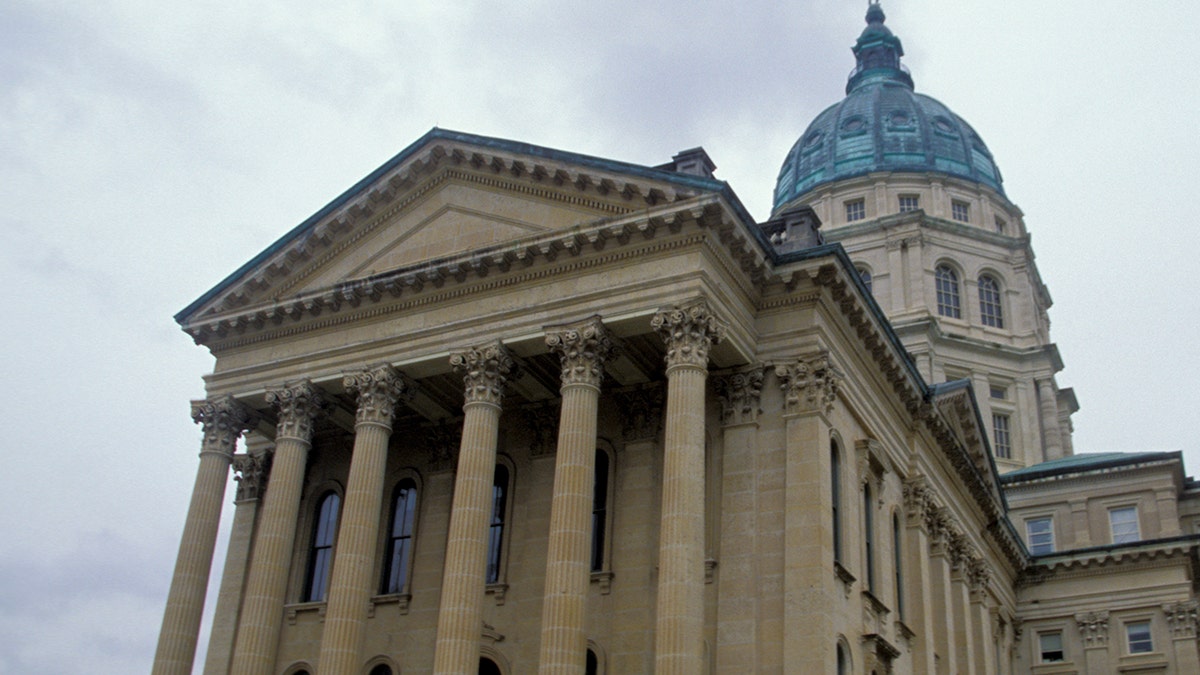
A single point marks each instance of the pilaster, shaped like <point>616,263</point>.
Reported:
<point>919,615</point>
<point>1183,620</point>
<point>1093,634</point>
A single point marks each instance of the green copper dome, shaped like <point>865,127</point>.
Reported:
<point>883,125</point>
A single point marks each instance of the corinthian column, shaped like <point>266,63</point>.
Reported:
<point>583,349</point>
<point>460,618</point>
<point>379,389</point>
<point>223,420</point>
<point>688,331</point>
<point>262,609</point>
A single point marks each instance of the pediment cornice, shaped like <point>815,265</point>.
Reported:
<point>591,184</point>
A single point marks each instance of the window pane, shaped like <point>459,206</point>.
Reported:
<point>856,210</point>
<point>947,292</point>
<point>321,553</point>
<point>865,275</point>
<point>835,475</point>
<point>1040,533</point>
<point>400,542</point>
<point>599,510</point>
<point>1051,647</point>
<point>496,531</point>
<point>990,311</point>
<point>909,203</point>
<point>960,211</point>
<point>1002,436</point>
<point>1124,525</point>
<point>1140,641</point>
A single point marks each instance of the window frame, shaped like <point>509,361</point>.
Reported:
<point>499,525</point>
<point>835,480</point>
<point>864,275</point>
<point>1145,644</point>
<point>855,209</point>
<point>991,301</point>
<point>868,523</point>
<point>898,563</point>
<point>908,202</point>
<point>387,586</point>
<point>1041,646</point>
<point>319,556</point>
<point>1048,521</point>
<point>948,290</point>
<point>960,210</point>
<point>1124,538</point>
<point>1002,437</point>
<point>601,550</point>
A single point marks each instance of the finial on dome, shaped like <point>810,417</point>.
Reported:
<point>878,53</point>
<point>875,12</point>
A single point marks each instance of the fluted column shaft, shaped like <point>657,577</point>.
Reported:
<point>460,616</point>
<point>583,350</point>
<point>379,389</point>
<point>251,481</point>
<point>689,332</point>
<point>223,421</point>
<point>262,608</point>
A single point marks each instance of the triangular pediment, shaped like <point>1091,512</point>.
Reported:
<point>446,195</point>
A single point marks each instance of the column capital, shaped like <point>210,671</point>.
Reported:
<point>740,394</point>
<point>979,576</point>
<point>485,370</point>
<point>298,405</point>
<point>583,348</point>
<point>223,419</point>
<point>1093,628</point>
<point>689,330</point>
<point>918,499</point>
<point>810,384</point>
<point>1183,618</point>
<point>379,389</point>
<point>250,472</point>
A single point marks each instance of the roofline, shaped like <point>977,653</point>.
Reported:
<point>687,180</point>
<point>1068,554</point>
<point>1023,475</point>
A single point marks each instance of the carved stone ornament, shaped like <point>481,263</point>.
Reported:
<point>689,331</point>
<point>485,371</point>
<point>740,394</point>
<point>979,576</point>
<point>960,549</point>
<point>379,389</point>
<point>223,420</point>
<point>298,406</point>
<point>641,412</point>
<point>937,522</point>
<point>441,441</point>
<point>1183,618</point>
<point>250,472</point>
<point>541,420</point>
<point>918,499</point>
<point>583,349</point>
<point>1093,628</point>
<point>810,384</point>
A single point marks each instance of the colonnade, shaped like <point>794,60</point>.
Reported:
<point>688,332</point>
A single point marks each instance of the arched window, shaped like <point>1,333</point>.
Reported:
<point>400,538</point>
<point>599,510</point>
<point>488,667</point>
<point>948,303</point>
<point>842,666</point>
<point>898,565</point>
<point>320,555</point>
<point>592,666</point>
<point>869,536</point>
<point>496,531</point>
<point>990,310</point>
<point>835,477</point>
<point>381,669</point>
<point>865,275</point>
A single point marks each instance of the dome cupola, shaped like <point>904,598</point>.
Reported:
<point>883,125</point>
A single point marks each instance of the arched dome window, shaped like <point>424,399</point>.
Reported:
<point>991,313</point>
<point>948,301</point>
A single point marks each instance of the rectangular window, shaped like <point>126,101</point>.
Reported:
<point>909,203</point>
<point>960,211</point>
<point>1039,532</point>
<point>1000,393</point>
<point>1001,226</point>
<point>856,210</point>
<point>1124,522</point>
<point>1138,635</point>
<point>1002,435</point>
<point>1050,647</point>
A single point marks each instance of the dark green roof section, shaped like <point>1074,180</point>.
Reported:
<point>685,180</point>
<point>1091,461</point>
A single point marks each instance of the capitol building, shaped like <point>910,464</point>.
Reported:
<point>506,409</point>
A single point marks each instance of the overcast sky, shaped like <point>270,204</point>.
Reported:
<point>148,149</point>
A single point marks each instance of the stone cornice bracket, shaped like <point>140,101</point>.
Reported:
<point>689,331</point>
<point>298,406</point>
<point>810,384</point>
<point>1183,618</point>
<point>251,472</point>
<point>223,419</point>
<point>485,370</point>
<point>378,388</point>
<point>740,394</point>
<point>1093,628</point>
<point>583,349</point>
